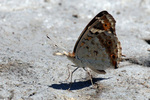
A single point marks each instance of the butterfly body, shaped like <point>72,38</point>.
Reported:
<point>98,46</point>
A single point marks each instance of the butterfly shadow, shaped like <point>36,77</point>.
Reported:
<point>76,85</point>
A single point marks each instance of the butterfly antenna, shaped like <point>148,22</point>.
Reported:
<point>56,44</point>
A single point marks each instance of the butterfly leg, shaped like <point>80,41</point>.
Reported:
<point>71,78</point>
<point>89,75</point>
<point>68,72</point>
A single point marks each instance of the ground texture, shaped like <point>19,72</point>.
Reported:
<point>30,71</point>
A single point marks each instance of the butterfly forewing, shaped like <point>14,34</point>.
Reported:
<point>87,27</point>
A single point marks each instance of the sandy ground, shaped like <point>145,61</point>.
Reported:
<point>30,71</point>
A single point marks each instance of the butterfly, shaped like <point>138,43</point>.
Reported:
<point>97,46</point>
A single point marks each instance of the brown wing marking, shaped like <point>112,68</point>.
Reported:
<point>86,28</point>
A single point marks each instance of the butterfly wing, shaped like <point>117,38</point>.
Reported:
<point>98,45</point>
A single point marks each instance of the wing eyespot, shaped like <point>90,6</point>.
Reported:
<point>113,56</point>
<point>106,25</point>
<point>109,42</point>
